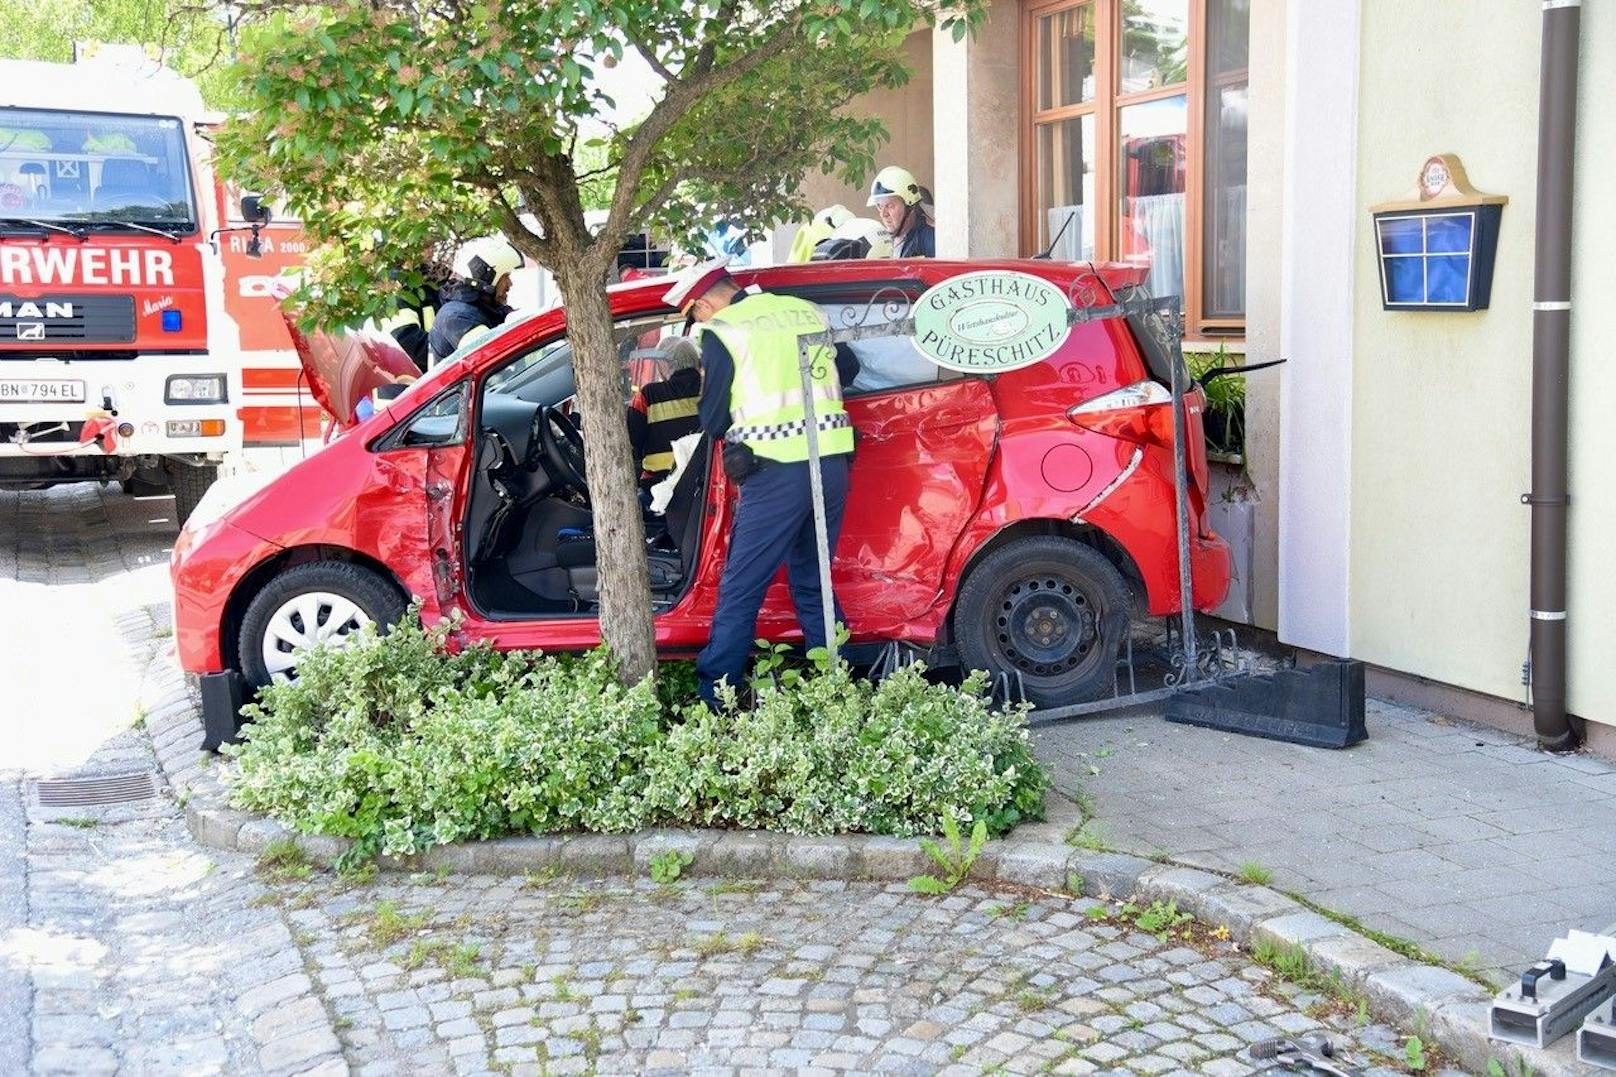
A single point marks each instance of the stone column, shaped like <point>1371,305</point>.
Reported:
<point>976,98</point>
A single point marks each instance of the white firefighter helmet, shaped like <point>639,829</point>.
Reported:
<point>871,232</point>
<point>484,261</point>
<point>894,181</point>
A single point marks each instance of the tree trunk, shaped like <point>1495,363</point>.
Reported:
<point>625,584</point>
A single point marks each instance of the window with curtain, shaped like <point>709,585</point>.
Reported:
<point>1134,143</point>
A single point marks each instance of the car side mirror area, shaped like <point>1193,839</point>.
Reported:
<point>254,210</point>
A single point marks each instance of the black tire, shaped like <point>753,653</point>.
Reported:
<point>188,484</point>
<point>374,595</point>
<point>1051,609</point>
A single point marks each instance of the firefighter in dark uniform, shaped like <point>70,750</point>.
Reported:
<point>751,398</point>
<point>665,411</point>
<point>902,204</point>
<point>474,301</point>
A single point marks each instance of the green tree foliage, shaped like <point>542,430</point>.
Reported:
<point>192,40</point>
<point>412,118</point>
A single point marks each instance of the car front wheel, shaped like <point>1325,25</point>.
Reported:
<point>314,604</point>
<point>1048,611</point>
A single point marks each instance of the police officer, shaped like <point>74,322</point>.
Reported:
<point>475,299</point>
<point>664,411</point>
<point>752,399</point>
<point>901,202</point>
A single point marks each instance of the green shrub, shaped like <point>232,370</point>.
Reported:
<point>833,753</point>
<point>401,743</point>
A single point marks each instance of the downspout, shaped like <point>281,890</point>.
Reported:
<point>1551,345</point>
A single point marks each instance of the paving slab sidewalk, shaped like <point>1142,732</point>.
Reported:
<point>1461,838</point>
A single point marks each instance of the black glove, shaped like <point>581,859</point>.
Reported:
<point>739,461</point>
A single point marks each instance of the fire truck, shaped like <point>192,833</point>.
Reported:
<point>119,359</point>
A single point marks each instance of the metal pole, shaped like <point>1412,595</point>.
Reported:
<point>1181,504</point>
<point>1551,363</point>
<point>817,482</point>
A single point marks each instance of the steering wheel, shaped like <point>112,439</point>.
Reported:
<point>564,452</point>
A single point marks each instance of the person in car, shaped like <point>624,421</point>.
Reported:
<point>665,411</point>
<point>751,399</point>
<point>475,298</point>
<point>905,212</point>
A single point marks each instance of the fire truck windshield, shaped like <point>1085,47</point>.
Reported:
<point>94,170</point>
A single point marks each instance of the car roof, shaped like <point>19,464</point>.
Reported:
<point>646,293</point>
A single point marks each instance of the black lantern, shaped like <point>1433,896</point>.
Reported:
<point>1436,248</point>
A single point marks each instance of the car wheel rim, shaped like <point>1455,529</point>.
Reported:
<point>308,620</point>
<point>1046,626</point>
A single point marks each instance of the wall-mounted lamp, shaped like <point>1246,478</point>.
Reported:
<point>1436,246</point>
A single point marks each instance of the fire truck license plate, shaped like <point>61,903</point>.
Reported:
<point>41,391</point>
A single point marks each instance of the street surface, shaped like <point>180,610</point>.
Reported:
<point>126,948</point>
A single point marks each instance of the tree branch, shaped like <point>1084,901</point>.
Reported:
<point>656,65</point>
<point>681,96</point>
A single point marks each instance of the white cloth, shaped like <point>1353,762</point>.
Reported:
<point>683,449</point>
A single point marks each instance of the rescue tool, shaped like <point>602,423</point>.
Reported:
<point>1555,994</point>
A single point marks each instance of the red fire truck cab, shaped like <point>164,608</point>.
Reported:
<point>115,359</point>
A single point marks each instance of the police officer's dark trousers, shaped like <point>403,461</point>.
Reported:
<point>774,525</point>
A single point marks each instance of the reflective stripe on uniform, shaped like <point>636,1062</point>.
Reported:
<point>657,461</point>
<point>399,319</point>
<point>677,408</point>
<point>787,430</point>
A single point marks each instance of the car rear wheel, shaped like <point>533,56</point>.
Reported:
<point>1050,610</point>
<point>322,602</point>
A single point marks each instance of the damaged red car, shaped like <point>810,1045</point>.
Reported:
<point>1010,522</point>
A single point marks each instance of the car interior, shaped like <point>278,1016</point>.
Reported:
<point>530,547</point>
<point>529,533</point>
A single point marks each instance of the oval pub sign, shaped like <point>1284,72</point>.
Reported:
<point>991,321</point>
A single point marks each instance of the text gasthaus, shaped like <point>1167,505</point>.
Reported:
<point>133,267</point>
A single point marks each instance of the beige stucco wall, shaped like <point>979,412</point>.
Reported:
<point>1441,402</point>
<point>976,100</point>
<point>907,113</point>
<point>1265,189</point>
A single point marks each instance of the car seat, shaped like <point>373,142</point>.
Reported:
<point>556,558</point>
<point>124,181</point>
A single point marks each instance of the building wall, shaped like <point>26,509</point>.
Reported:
<point>976,101</point>
<point>1265,203</point>
<point>1319,226</point>
<point>1440,403</point>
<point>907,113</point>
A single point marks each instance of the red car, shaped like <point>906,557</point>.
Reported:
<point>1009,522</point>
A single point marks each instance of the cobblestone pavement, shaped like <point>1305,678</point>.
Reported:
<point>1462,838</point>
<point>481,973</point>
<point>126,948</point>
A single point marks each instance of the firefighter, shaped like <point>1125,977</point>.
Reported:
<point>475,298</point>
<point>751,398</point>
<point>665,411</point>
<point>410,324</point>
<point>901,203</point>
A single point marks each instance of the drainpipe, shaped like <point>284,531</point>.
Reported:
<point>1551,345</point>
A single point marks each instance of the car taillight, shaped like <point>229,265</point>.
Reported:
<point>1141,412</point>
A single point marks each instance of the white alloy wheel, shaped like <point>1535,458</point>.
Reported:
<point>308,620</point>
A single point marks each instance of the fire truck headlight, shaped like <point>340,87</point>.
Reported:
<point>194,389</point>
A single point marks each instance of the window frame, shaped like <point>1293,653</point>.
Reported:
<point>1107,103</point>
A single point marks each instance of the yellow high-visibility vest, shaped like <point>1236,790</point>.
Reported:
<point>765,398</point>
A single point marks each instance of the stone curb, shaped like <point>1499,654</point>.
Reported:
<point>1405,993</point>
<point>1400,991</point>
